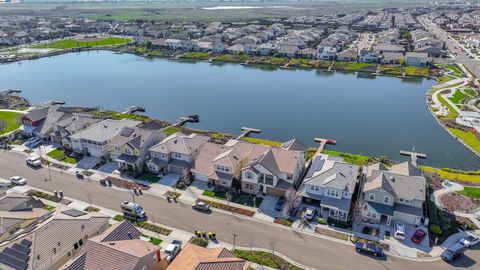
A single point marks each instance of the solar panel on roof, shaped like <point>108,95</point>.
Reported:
<point>126,132</point>
<point>73,213</point>
<point>26,243</point>
<point>20,248</point>
<point>12,262</point>
<point>17,255</point>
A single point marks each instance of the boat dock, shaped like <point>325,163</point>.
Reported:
<point>323,142</point>
<point>413,155</point>
<point>10,91</point>
<point>194,118</point>
<point>246,131</point>
<point>133,109</point>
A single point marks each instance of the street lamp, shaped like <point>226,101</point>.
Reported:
<point>234,238</point>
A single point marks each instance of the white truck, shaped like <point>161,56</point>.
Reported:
<point>133,211</point>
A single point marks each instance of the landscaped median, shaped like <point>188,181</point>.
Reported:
<point>231,208</point>
<point>146,225</point>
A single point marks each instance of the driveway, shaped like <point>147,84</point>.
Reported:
<point>108,167</point>
<point>169,180</point>
<point>267,207</point>
<point>87,163</point>
<point>407,247</point>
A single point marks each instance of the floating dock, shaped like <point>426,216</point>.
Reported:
<point>133,109</point>
<point>246,131</point>
<point>323,142</point>
<point>413,155</point>
<point>194,118</point>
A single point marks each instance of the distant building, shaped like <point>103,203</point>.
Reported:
<point>416,59</point>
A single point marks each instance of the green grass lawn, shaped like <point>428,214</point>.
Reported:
<point>445,173</point>
<point>262,141</point>
<point>12,120</point>
<point>350,158</point>
<point>471,92</point>
<point>74,43</point>
<point>170,130</point>
<point>215,194</point>
<point>455,69</point>
<point>153,240</point>
<point>265,258</point>
<point>468,137</point>
<point>60,155</point>
<point>457,96</point>
<point>452,112</point>
<point>445,79</point>
<point>149,177</point>
<point>471,192</point>
<point>249,200</point>
<point>196,55</point>
<point>49,207</point>
<point>240,58</point>
<point>416,71</point>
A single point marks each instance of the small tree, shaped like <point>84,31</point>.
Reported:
<point>3,126</point>
<point>292,201</point>
<point>357,209</point>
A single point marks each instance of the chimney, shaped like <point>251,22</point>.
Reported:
<point>129,235</point>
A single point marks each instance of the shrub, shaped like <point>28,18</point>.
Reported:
<point>153,228</point>
<point>322,221</point>
<point>199,241</point>
<point>435,228</point>
<point>283,221</point>
<point>118,218</point>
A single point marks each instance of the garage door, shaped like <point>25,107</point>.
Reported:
<point>275,192</point>
<point>177,170</point>
<point>95,152</point>
<point>409,219</point>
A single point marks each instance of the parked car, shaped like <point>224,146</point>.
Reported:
<point>309,213</point>
<point>370,248</point>
<point>451,253</point>
<point>18,180</point>
<point>418,236</point>
<point>34,143</point>
<point>172,250</point>
<point>399,231</point>
<point>201,206</point>
<point>34,162</point>
<point>279,204</point>
<point>79,174</point>
<point>470,240</point>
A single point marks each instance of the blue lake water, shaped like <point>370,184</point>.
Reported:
<point>373,116</point>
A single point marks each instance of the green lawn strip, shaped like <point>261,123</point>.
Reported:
<point>350,158</point>
<point>170,130</point>
<point>452,112</point>
<point>451,174</point>
<point>354,66</point>
<point>74,43</point>
<point>240,58</point>
<point>153,228</point>
<point>445,79</point>
<point>266,259</point>
<point>455,69</point>
<point>60,155</point>
<point>118,218</point>
<point>417,71</point>
<point>12,120</point>
<point>457,96</point>
<point>468,137</point>
<point>153,240</point>
<point>197,55</point>
<point>221,195</point>
<point>149,177</point>
<point>49,207</point>
<point>262,141</point>
<point>471,92</point>
<point>471,192</point>
<point>249,200</point>
<point>119,116</point>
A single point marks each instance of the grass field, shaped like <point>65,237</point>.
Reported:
<point>12,120</point>
<point>75,43</point>
<point>416,71</point>
<point>471,192</point>
<point>468,137</point>
<point>473,177</point>
<point>170,130</point>
<point>196,55</point>
<point>457,96</point>
<point>452,112</point>
<point>351,158</point>
<point>262,141</point>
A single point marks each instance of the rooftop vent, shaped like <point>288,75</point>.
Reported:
<point>391,178</point>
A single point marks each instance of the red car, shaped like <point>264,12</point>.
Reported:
<point>418,236</point>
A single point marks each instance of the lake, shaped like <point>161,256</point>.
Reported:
<point>372,116</point>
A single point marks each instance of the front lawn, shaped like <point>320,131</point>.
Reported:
<point>221,195</point>
<point>471,192</point>
<point>170,130</point>
<point>153,240</point>
<point>350,158</point>
<point>249,200</point>
<point>265,258</point>
<point>49,207</point>
<point>79,43</point>
<point>149,177</point>
<point>12,120</point>
<point>60,155</point>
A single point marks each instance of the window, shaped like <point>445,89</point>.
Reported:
<point>386,199</point>
<point>117,148</point>
<point>80,242</point>
<point>317,188</point>
<point>312,187</point>
<point>332,193</point>
<point>371,197</point>
<point>54,250</point>
<point>374,215</point>
<point>401,200</point>
<point>248,186</point>
<point>75,246</point>
<point>249,175</point>
<point>222,168</point>
<point>289,176</point>
<point>269,179</point>
<point>177,155</point>
<point>407,201</point>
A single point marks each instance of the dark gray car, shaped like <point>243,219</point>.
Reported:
<point>454,251</point>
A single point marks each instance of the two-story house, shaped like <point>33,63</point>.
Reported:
<point>95,140</point>
<point>40,121</point>
<point>395,194</point>
<point>69,126</point>
<point>261,169</point>
<point>330,182</point>
<point>175,154</point>
<point>129,149</point>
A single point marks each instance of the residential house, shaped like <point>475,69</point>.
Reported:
<point>176,153</point>
<point>119,247</point>
<point>327,53</point>
<point>388,47</point>
<point>308,53</point>
<point>130,147</point>
<point>368,56</point>
<point>267,49</point>
<point>63,129</point>
<point>40,121</point>
<point>52,240</point>
<point>391,58</point>
<point>396,194</point>
<point>431,51</point>
<point>235,49</point>
<point>251,49</point>
<point>416,59</point>
<point>347,55</point>
<point>193,257</point>
<point>95,140</point>
<point>330,184</point>
<point>218,46</point>
<point>260,169</point>
<point>287,51</point>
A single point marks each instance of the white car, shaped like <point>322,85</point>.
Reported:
<point>18,180</point>
<point>172,250</point>
<point>34,162</point>
<point>399,231</point>
<point>309,213</point>
<point>470,240</point>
